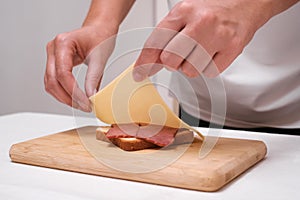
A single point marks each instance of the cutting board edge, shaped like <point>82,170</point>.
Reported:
<point>217,179</point>
<point>17,156</point>
<point>255,160</point>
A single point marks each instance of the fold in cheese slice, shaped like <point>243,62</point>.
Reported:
<point>126,101</point>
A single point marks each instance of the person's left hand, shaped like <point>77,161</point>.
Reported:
<point>199,36</point>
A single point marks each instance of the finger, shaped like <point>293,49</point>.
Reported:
<point>211,70</point>
<point>62,96</point>
<point>64,54</point>
<point>93,76</point>
<point>177,50</point>
<point>220,62</point>
<point>155,68</point>
<point>189,70</point>
<point>96,61</point>
<point>51,84</point>
<point>196,62</point>
<point>151,53</point>
<point>154,45</point>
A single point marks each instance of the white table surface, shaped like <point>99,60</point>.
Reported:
<point>277,177</point>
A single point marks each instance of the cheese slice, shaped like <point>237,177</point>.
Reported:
<point>126,101</point>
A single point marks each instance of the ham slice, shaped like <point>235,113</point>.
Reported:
<point>122,131</point>
<point>158,135</point>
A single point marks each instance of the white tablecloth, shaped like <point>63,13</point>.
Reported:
<point>277,177</point>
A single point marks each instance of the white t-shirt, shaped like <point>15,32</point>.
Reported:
<point>263,84</point>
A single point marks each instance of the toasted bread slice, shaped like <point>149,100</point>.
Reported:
<point>132,144</point>
<point>127,144</point>
<point>183,136</point>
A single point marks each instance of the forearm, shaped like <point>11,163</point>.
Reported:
<point>279,6</point>
<point>269,8</point>
<point>111,11</point>
<point>261,11</point>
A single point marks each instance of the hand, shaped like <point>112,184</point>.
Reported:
<point>70,49</point>
<point>200,36</point>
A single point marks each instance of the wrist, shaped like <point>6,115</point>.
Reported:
<point>262,12</point>
<point>107,14</point>
<point>278,6</point>
<point>103,24</point>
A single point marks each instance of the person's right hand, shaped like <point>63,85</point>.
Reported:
<point>70,49</point>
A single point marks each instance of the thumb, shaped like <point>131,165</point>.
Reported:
<point>93,75</point>
<point>92,81</point>
<point>96,62</point>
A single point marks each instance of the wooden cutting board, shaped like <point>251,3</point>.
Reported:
<point>228,159</point>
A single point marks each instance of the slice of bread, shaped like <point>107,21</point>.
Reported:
<point>132,144</point>
<point>183,136</point>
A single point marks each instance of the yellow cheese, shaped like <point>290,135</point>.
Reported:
<point>126,101</point>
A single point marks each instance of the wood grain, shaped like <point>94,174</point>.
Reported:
<point>228,159</point>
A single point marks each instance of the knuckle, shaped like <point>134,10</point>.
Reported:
<point>176,13</point>
<point>184,7</point>
<point>60,38</point>
<point>226,32</point>
<point>49,46</point>
<point>206,18</point>
<point>209,16</point>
